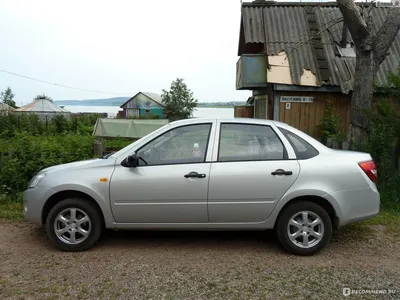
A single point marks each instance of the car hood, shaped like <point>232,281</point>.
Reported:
<point>74,165</point>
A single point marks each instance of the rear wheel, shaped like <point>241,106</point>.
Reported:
<point>74,225</point>
<point>304,228</point>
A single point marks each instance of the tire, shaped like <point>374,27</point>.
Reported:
<point>296,244</point>
<point>86,230</point>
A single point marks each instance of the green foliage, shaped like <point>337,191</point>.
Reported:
<point>330,124</point>
<point>43,97</point>
<point>30,123</point>
<point>7,97</point>
<point>393,86</point>
<point>178,101</point>
<point>382,135</point>
<point>116,144</point>
<point>24,155</point>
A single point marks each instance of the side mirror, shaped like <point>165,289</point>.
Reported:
<point>130,162</point>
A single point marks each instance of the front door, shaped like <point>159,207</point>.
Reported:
<point>251,174</point>
<point>170,185</point>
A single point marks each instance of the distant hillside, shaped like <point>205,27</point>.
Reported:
<point>118,101</point>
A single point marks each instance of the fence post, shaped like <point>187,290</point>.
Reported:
<point>98,148</point>
<point>329,142</point>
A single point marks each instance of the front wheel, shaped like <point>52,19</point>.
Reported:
<point>304,228</point>
<point>74,225</point>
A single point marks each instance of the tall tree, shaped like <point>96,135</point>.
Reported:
<point>371,51</point>
<point>43,97</point>
<point>7,97</point>
<point>178,101</point>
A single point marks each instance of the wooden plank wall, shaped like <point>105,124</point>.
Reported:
<point>307,116</point>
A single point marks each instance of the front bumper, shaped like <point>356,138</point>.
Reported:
<point>34,200</point>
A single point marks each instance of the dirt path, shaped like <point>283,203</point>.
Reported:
<point>195,265</point>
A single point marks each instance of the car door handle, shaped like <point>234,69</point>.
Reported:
<point>282,172</point>
<point>195,175</point>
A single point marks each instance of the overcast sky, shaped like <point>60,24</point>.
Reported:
<point>120,46</point>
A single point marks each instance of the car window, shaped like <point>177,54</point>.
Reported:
<point>186,144</point>
<point>302,149</point>
<point>242,142</point>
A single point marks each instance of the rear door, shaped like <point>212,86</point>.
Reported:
<point>250,172</point>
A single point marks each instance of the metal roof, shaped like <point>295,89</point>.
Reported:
<point>153,96</point>
<point>42,105</point>
<point>288,27</point>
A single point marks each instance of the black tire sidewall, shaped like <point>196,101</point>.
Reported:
<point>281,228</point>
<point>93,214</point>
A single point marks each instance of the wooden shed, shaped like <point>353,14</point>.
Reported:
<point>304,66</point>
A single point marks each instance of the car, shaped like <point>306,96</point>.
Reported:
<point>208,174</point>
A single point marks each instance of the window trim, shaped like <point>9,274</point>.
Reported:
<point>285,132</point>
<point>165,132</point>
<point>285,153</point>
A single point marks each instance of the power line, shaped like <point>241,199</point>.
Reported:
<point>61,85</point>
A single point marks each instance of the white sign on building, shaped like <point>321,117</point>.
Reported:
<point>297,99</point>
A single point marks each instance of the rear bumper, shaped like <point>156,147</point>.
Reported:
<point>357,205</point>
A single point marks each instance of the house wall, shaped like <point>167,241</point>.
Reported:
<point>143,103</point>
<point>307,116</point>
<point>154,111</point>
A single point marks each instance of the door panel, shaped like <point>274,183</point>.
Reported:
<point>242,188</point>
<point>246,191</point>
<point>163,188</point>
<point>160,194</point>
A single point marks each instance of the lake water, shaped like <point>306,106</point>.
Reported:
<point>199,112</point>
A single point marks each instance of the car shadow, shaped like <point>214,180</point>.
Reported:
<point>193,239</point>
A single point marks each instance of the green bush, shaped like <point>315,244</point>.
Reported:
<point>116,144</point>
<point>330,124</point>
<point>383,132</point>
<point>24,155</point>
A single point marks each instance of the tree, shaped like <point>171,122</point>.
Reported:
<point>178,101</point>
<point>43,97</point>
<point>371,51</point>
<point>7,97</point>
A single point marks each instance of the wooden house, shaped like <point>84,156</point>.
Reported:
<point>144,105</point>
<point>295,57</point>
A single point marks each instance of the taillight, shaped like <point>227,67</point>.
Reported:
<point>369,168</point>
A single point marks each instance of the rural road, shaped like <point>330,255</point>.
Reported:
<point>196,265</point>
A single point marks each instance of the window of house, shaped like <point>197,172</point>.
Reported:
<point>349,51</point>
<point>186,144</point>
<point>147,113</point>
<point>243,142</point>
<point>302,149</point>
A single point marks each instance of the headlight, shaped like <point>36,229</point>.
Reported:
<point>35,180</point>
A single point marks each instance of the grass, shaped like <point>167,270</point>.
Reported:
<point>11,210</point>
<point>388,218</point>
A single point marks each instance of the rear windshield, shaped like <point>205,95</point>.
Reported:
<point>302,148</point>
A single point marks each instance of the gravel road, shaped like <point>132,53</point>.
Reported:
<point>196,265</point>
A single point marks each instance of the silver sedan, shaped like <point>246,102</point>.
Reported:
<point>208,174</point>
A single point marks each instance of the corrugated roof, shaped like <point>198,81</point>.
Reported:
<point>153,96</point>
<point>288,28</point>
<point>42,105</point>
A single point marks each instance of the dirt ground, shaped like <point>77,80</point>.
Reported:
<point>196,265</point>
